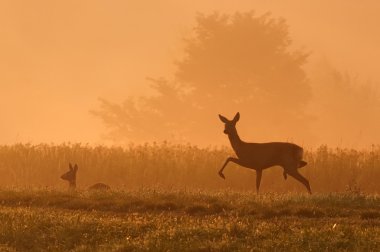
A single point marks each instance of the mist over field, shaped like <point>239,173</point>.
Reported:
<point>142,71</point>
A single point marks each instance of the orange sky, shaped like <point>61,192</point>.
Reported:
<point>58,57</point>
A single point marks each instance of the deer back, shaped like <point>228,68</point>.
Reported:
<point>264,155</point>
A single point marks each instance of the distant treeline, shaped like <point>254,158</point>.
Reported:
<point>173,166</point>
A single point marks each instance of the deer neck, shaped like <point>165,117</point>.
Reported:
<point>235,140</point>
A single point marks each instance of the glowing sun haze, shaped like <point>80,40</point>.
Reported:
<point>58,57</point>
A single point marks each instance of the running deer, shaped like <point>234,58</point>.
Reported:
<point>71,176</point>
<point>259,156</point>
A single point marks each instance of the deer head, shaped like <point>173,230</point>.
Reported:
<point>230,125</point>
<point>71,175</point>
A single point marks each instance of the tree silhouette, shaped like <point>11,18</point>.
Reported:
<point>231,63</point>
<point>347,108</point>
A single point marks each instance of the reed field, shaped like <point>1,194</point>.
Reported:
<point>168,166</point>
<point>167,197</point>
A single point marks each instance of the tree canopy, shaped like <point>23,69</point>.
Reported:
<point>240,62</point>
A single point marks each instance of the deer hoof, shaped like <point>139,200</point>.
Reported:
<point>222,175</point>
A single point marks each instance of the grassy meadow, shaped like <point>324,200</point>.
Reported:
<point>187,221</point>
<point>168,197</point>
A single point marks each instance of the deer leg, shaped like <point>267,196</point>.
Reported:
<point>295,174</point>
<point>258,179</point>
<point>230,159</point>
<point>285,177</point>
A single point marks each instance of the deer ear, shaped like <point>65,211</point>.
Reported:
<point>70,166</point>
<point>237,117</point>
<point>75,167</point>
<point>223,119</point>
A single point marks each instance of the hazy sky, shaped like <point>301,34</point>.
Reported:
<point>58,57</point>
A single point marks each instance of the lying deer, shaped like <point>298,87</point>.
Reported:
<point>71,176</point>
<point>259,156</point>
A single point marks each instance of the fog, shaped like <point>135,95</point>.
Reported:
<point>57,58</point>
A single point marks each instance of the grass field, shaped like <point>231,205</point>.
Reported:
<point>168,197</point>
<point>35,220</point>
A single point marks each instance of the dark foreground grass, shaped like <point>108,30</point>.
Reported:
<point>187,221</point>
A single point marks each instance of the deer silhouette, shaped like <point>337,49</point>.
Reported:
<point>259,156</point>
<point>71,176</point>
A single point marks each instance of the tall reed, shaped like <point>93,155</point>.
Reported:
<point>166,165</point>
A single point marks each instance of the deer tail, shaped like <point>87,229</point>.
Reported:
<point>302,164</point>
<point>299,156</point>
